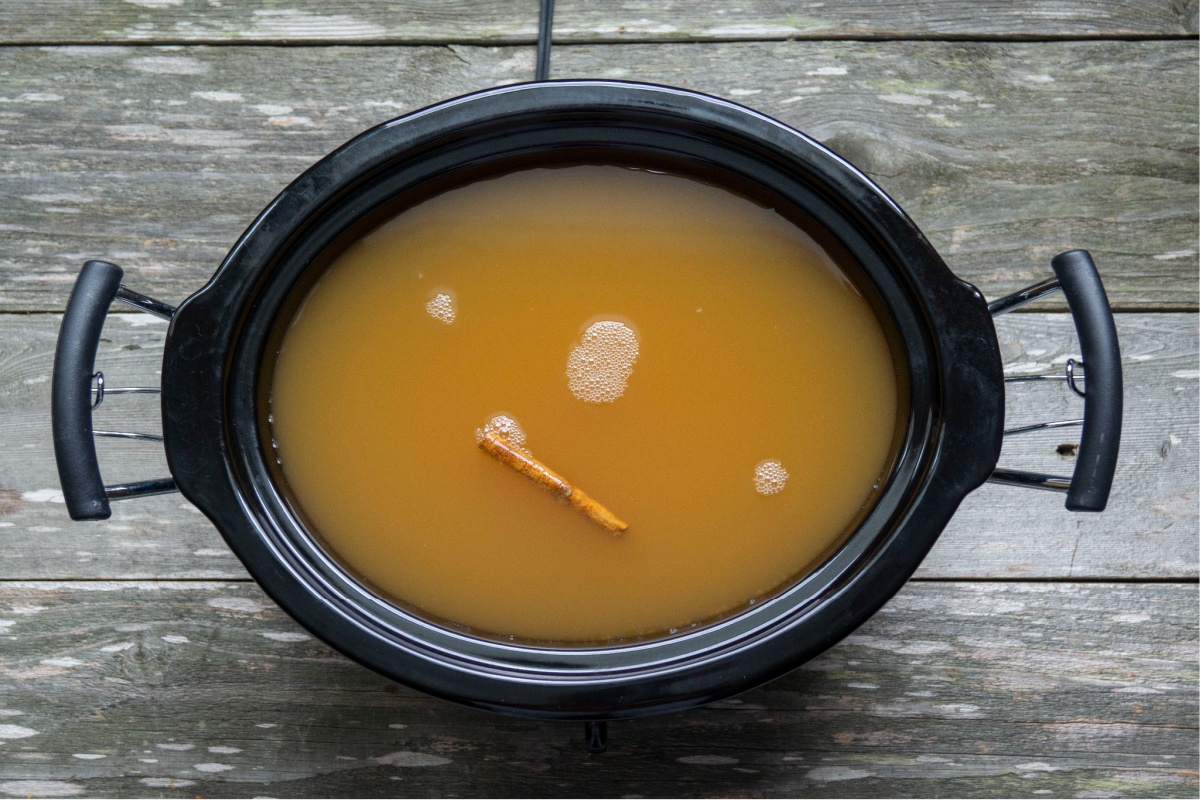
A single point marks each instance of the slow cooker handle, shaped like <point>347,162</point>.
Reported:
<point>71,403</point>
<point>1088,487</point>
<point>1103,402</point>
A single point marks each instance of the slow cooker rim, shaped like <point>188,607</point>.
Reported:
<point>231,510</point>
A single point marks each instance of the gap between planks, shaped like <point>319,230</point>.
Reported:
<point>872,39</point>
<point>1177,581</point>
<point>1027,310</point>
<point>1033,309</point>
<point>605,40</point>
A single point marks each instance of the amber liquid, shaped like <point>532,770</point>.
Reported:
<point>752,347</point>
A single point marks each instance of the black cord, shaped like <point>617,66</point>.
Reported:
<point>545,26</point>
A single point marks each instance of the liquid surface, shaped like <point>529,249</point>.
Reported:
<point>689,359</point>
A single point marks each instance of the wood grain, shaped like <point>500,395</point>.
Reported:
<point>620,20</point>
<point>964,690</point>
<point>1004,154</point>
<point>159,158</point>
<point>1005,531</point>
<point>497,21</point>
<point>1150,529</point>
<point>1004,151</point>
<point>308,21</point>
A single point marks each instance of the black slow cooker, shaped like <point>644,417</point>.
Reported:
<point>213,394</point>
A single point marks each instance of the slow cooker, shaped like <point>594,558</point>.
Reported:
<point>213,398</point>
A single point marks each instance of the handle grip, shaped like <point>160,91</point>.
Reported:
<point>71,390</point>
<point>1101,438</point>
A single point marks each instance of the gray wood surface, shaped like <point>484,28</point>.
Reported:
<point>159,158</point>
<point>620,20</point>
<point>989,147</point>
<point>1003,153</point>
<point>494,21</point>
<point>1149,530</point>
<point>954,689</point>
<point>136,659</point>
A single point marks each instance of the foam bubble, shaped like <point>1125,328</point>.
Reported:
<point>599,367</point>
<point>770,477</point>
<point>506,428</point>
<point>441,308</point>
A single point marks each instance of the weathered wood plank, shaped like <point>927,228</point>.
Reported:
<point>1004,154</point>
<point>159,158</point>
<point>360,21</point>
<point>156,537</point>
<point>1150,529</point>
<point>1002,530</point>
<point>619,20</point>
<point>967,690</point>
<point>492,21</point>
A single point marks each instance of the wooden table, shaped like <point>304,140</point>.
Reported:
<point>1036,653</point>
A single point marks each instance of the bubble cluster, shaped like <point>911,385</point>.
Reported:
<point>506,428</point>
<point>441,308</point>
<point>770,477</point>
<point>600,365</point>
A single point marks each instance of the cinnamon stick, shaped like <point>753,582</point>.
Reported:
<point>530,467</point>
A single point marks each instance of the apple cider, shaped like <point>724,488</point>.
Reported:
<point>690,358</point>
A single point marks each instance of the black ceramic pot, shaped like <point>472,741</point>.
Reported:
<point>219,340</point>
